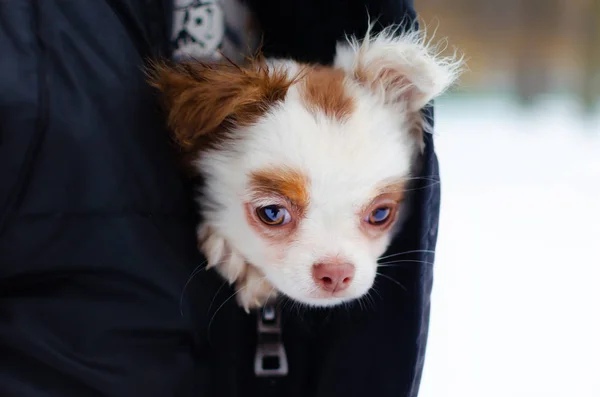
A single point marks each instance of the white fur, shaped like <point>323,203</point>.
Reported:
<point>409,54</point>
<point>344,161</point>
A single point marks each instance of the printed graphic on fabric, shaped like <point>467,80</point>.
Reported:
<point>198,28</point>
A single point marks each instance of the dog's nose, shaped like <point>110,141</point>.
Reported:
<point>333,277</point>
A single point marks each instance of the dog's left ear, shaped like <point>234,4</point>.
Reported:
<point>204,100</point>
<point>402,69</point>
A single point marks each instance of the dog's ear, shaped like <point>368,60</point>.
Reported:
<point>203,99</point>
<point>402,69</point>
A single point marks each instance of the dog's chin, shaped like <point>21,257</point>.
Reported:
<point>324,302</point>
<point>321,298</point>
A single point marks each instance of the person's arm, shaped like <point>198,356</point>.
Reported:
<point>96,237</point>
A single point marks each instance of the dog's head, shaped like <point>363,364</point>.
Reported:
<point>305,166</point>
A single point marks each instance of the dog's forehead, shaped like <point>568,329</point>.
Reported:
<point>362,150</point>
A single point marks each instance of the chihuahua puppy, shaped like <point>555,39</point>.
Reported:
<point>304,167</point>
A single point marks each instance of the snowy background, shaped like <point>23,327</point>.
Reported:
<point>516,299</point>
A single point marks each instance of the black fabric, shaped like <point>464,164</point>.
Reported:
<point>97,234</point>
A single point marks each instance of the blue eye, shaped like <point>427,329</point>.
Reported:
<point>273,215</point>
<point>379,216</point>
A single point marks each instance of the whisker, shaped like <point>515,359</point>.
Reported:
<point>268,296</point>
<point>365,303</point>
<point>360,303</point>
<point>194,273</point>
<point>423,187</point>
<point>285,303</point>
<point>377,292</point>
<point>282,302</point>
<point>407,252</point>
<point>392,280</point>
<point>215,296</point>
<point>290,304</point>
<point>296,305</point>
<point>371,300</point>
<point>197,270</point>
<point>391,263</point>
<point>427,178</point>
<point>218,309</point>
<point>293,307</point>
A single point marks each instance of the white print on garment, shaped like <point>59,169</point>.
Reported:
<point>198,28</point>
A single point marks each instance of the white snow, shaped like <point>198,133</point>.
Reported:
<point>516,299</point>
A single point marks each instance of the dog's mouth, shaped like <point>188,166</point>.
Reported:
<point>337,296</point>
<point>324,300</point>
<point>319,297</point>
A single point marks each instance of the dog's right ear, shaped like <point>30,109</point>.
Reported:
<point>402,69</point>
<point>205,99</point>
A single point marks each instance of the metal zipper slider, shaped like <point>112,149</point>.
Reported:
<point>270,358</point>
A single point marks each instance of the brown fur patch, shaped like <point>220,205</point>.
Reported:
<point>204,100</point>
<point>393,188</point>
<point>288,183</point>
<point>324,91</point>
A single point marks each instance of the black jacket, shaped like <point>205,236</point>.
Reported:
<point>97,224</point>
